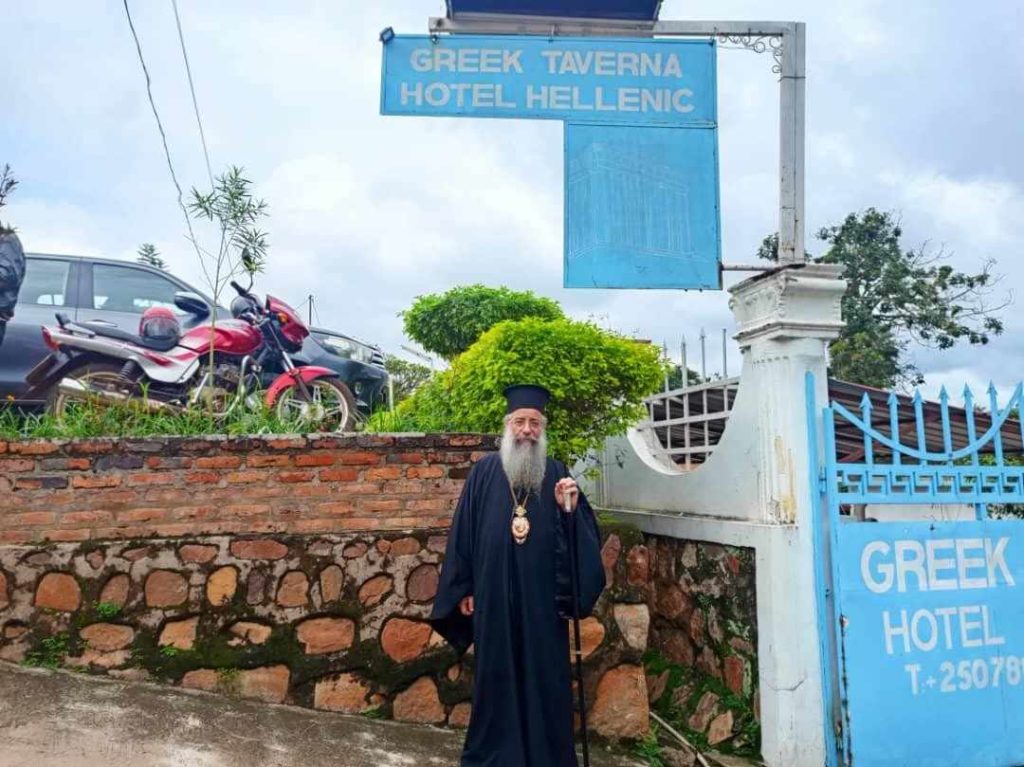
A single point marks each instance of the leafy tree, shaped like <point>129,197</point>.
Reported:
<point>597,378</point>
<point>149,255</point>
<point>242,247</point>
<point>895,297</point>
<point>406,376</point>
<point>449,323</point>
<point>675,377</point>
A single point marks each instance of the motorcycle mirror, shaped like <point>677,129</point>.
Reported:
<point>191,303</point>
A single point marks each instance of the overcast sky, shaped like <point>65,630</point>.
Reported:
<point>914,107</point>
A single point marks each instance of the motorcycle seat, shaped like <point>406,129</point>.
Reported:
<point>108,331</point>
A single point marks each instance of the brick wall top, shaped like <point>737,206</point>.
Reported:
<point>73,490</point>
<point>288,442</point>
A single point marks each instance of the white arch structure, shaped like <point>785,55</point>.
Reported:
<point>755,490</point>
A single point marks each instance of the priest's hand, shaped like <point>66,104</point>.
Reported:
<point>466,605</point>
<point>566,488</point>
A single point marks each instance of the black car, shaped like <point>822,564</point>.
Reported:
<point>118,292</point>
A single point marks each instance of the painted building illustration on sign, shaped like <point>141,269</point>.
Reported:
<point>638,207</point>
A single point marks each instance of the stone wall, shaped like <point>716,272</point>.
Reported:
<point>301,570</point>
<point>702,668</point>
<point>335,622</point>
<point>104,489</point>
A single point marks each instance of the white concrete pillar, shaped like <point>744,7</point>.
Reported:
<point>786,319</point>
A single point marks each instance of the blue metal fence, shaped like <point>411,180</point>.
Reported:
<point>922,620</point>
<point>909,474</point>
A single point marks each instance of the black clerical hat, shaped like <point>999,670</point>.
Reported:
<point>526,395</point>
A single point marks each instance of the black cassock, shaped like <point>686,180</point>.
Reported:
<point>522,712</point>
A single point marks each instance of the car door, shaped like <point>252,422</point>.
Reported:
<point>118,294</point>
<point>49,286</point>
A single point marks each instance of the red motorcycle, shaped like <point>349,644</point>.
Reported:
<point>161,369</point>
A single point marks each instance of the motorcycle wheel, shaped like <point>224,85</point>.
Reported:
<point>330,407</point>
<point>94,376</point>
<point>217,398</point>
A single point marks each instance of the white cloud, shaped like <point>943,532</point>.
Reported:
<point>56,227</point>
<point>988,213</point>
<point>956,378</point>
<point>367,212</point>
<point>832,148</point>
<point>862,31</point>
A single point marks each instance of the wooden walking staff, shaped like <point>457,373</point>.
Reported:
<point>574,578</point>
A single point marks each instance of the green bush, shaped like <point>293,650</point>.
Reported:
<point>450,323</point>
<point>597,380</point>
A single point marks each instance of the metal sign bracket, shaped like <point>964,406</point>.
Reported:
<point>785,40</point>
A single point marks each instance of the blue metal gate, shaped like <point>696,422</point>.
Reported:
<point>923,627</point>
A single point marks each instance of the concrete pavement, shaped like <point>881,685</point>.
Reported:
<point>63,719</point>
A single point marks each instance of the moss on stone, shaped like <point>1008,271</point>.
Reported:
<point>746,741</point>
<point>212,649</point>
<point>629,534</point>
<point>91,611</point>
<point>48,651</point>
<point>228,682</point>
<point>344,608</point>
<point>89,546</point>
<point>389,676</point>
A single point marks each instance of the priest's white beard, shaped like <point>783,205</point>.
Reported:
<point>524,462</point>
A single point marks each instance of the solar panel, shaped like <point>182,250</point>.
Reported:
<point>631,10</point>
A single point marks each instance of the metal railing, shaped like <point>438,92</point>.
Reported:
<point>687,423</point>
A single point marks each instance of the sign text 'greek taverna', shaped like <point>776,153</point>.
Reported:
<point>640,82</point>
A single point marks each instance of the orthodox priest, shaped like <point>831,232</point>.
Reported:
<point>505,587</point>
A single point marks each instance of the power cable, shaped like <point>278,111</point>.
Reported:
<point>163,134</point>
<point>192,89</point>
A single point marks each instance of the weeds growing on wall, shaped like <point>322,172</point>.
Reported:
<point>683,689</point>
<point>86,421</point>
<point>648,749</point>
<point>393,422</point>
<point>50,652</point>
<point>107,610</point>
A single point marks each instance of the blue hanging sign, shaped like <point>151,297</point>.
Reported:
<point>645,82</point>
<point>933,642</point>
<point>641,207</point>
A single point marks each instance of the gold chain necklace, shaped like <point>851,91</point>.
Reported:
<point>520,524</point>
